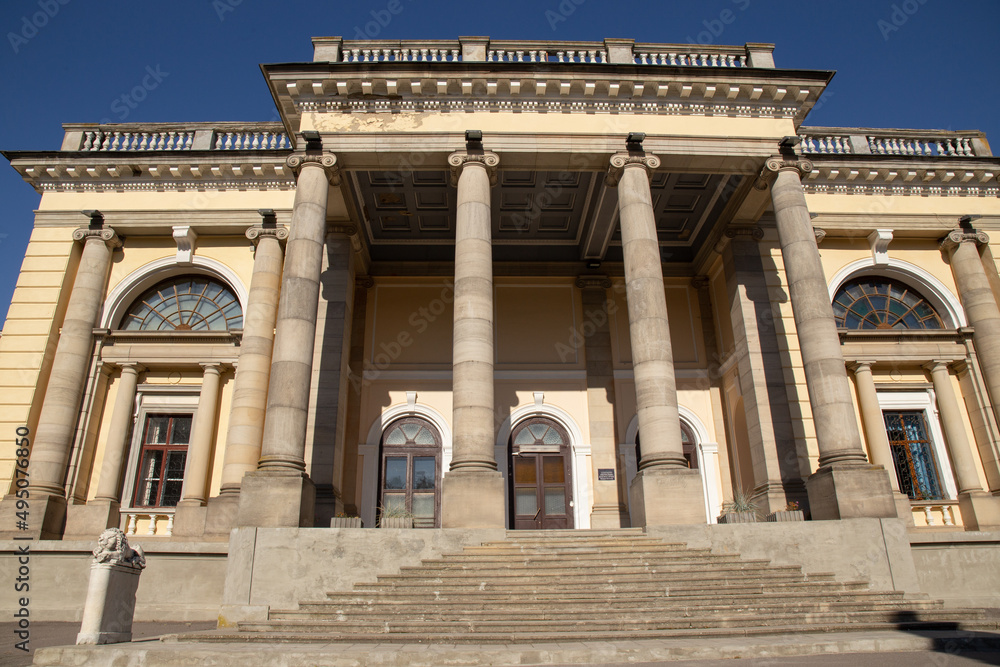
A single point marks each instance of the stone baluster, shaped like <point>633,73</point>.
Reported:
<point>279,493</point>
<point>665,490</point>
<point>845,485</point>
<point>472,491</point>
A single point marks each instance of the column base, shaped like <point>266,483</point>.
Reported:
<point>189,519</point>
<point>606,517</point>
<point>46,517</point>
<point>854,492</point>
<point>667,497</point>
<point>222,512</point>
<point>87,522</point>
<point>473,499</point>
<point>980,510</point>
<point>775,496</point>
<point>276,500</point>
<point>904,510</point>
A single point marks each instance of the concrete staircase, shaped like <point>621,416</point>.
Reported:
<point>543,586</point>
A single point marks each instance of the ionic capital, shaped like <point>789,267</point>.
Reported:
<point>755,232</point>
<point>861,366</point>
<point>937,365</point>
<point>699,282</point>
<point>365,281</point>
<point>106,234</point>
<point>256,233</point>
<point>324,160</point>
<point>593,282</point>
<point>778,164</point>
<point>957,236</point>
<point>488,159</point>
<point>820,234</point>
<point>621,161</point>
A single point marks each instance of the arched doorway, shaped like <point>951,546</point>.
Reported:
<point>410,472</point>
<point>541,476</point>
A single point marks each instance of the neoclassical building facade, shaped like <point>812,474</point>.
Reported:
<point>477,284</point>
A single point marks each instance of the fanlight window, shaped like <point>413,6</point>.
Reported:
<point>882,303</point>
<point>185,304</point>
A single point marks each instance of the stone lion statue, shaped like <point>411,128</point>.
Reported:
<point>113,548</point>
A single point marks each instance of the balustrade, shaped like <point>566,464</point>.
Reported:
<point>182,139</point>
<point>936,513</point>
<point>153,523</point>
<point>903,143</point>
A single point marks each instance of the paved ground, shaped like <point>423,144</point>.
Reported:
<point>871,650</point>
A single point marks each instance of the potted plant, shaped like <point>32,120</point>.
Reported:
<point>394,516</point>
<point>790,513</point>
<point>739,510</point>
<point>342,520</point>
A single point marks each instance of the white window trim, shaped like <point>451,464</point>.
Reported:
<point>151,400</point>
<point>925,401</point>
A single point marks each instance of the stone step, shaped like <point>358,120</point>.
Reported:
<point>540,563</point>
<point>571,571</point>
<point>581,548</point>
<point>603,625</point>
<point>521,614</point>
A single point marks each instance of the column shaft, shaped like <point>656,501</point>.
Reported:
<point>199,452</point>
<point>829,391</point>
<point>955,435</point>
<point>283,446</point>
<point>980,306</point>
<point>649,331</point>
<point>472,365</point>
<point>874,423</point>
<point>246,417</point>
<point>109,484</point>
<point>58,417</point>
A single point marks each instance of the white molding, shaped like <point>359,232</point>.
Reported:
<point>369,448</point>
<point>879,241</point>
<point>186,239</point>
<point>943,299</point>
<point>134,284</point>
<point>583,492</point>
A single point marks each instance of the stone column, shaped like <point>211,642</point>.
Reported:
<point>980,306</point>
<point>980,510</point>
<point>279,493</point>
<point>190,515</point>
<point>878,440</point>
<point>761,379</point>
<point>664,491</point>
<point>60,408</point>
<point>845,485</point>
<point>472,493</point>
<point>609,510</point>
<point>246,413</point>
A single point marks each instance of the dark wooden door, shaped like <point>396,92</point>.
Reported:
<point>541,487</point>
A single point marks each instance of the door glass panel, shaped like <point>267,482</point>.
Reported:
<point>525,501</point>
<point>423,474</point>
<point>553,470</point>
<point>524,470</point>
<point>395,502</point>
<point>552,437</point>
<point>555,501</point>
<point>395,472</point>
<point>423,507</point>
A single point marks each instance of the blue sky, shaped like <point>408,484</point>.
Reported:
<point>926,64</point>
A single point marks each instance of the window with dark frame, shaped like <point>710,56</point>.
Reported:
<point>913,454</point>
<point>160,477</point>
<point>411,472</point>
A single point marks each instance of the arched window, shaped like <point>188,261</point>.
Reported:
<point>874,302</point>
<point>188,303</point>
<point>411,472</point>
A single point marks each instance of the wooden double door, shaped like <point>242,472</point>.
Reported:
<point>541,486</point>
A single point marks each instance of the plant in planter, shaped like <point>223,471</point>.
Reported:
<point>739,510</point>
<point>341,520</point>
<point>394,516</point>
<point>790,513</point>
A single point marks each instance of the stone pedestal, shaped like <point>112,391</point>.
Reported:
<point>850,493</point>
<point>189,519</point>
<point>85,521</point>
<point>46,521</point>
<point>980,510</point>
<point>474,498</point>
<point>107,616</point>
<point>276,498</point>
<point>667,496</point>
<point>221,514</point>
